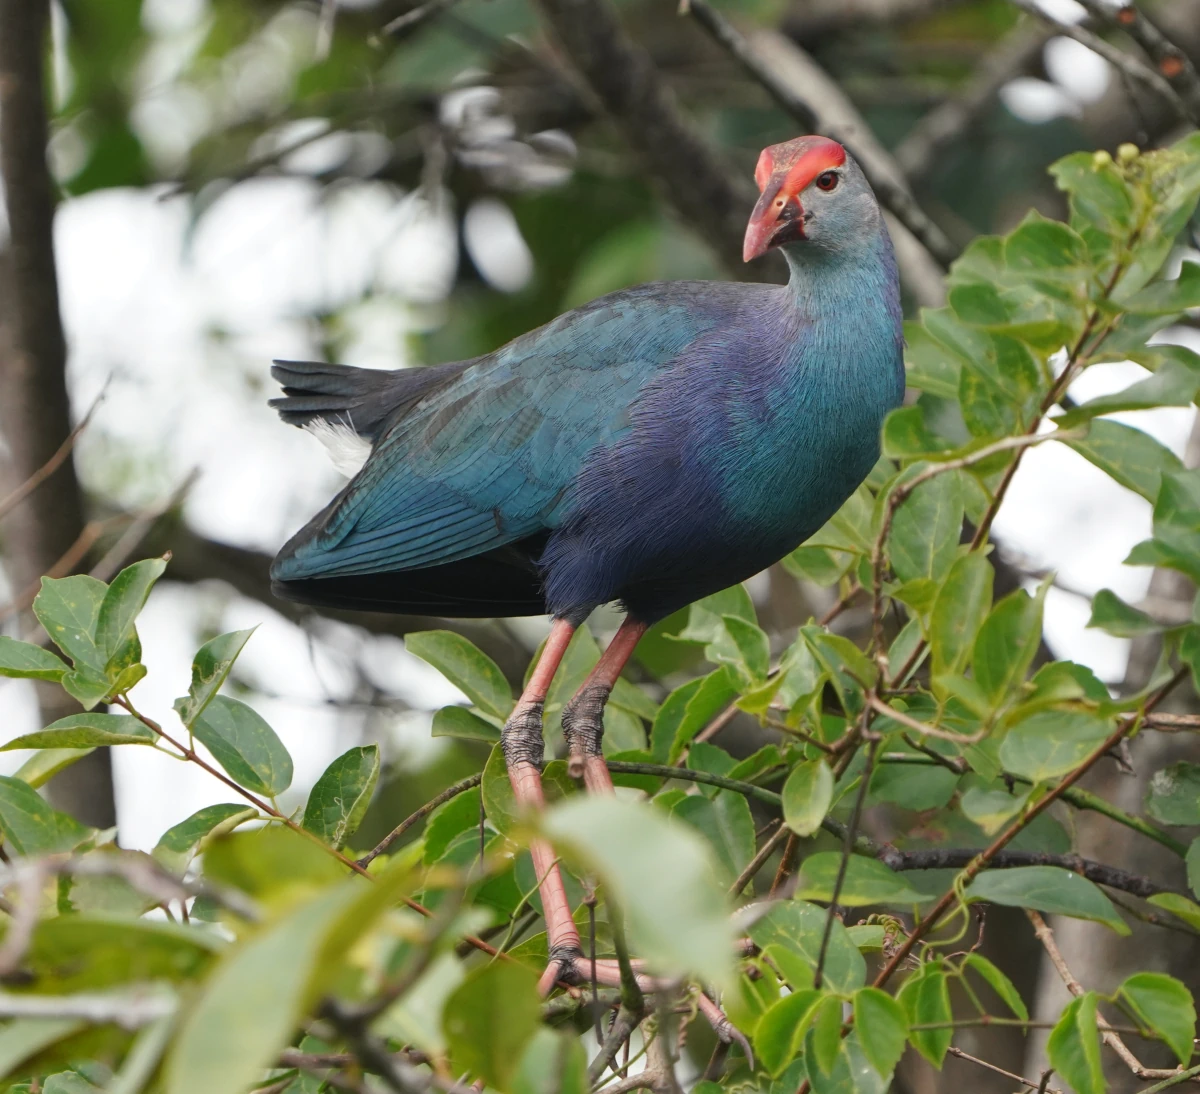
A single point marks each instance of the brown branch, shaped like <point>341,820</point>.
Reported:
<point>420,814</point>
<point>1109,1035</point>
<point>755,864</point>
<point>1119,59</point>
<point>973,868</point>
<point>1041,1087</point>
<point>1171,62</point>
<point>946,123</point>
<point>47,469</point>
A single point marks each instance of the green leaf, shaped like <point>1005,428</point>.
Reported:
<point>1110,613</point>
<point>1173,796</point>
<point>466,666</point>
<point>1193,865</point>
<point>1042,247</point>
<point>807,796</point>
<point>743,645</point>
<point>826,1035</point>
<point>882,1028</point>
<point>416,1018</point>
<point>991,809</point>
<point>210,667</point>
<point>958,612</point>
<point>1073,1048</point>
<point>179,843</point>
<point>1168,298</point>
<point>450,818</point>
<point>910,787</point>
<point>1174,384</point>
<point>1048,889</point>
<point>1179,906</point>
<point>1129,456</point>
<point>460,722</point>
<point>250,1006</point>
<point>339,799</point>
<point>780,1031</point>
<point>687,710</point>
<point>662,873</point>
<point>724,820</point>
<point>552,1063</point>
<point>490,1018</point>
<point>265,861</point>
<point>69,609</point>
<point>1051,743</point>
<point>706,616</point>
<point>119,609</point>
<point>44,764</point>
<point>998,982</point>
<point>797,927</point>
<point>926,528</point>
<point>1164,1005</point>
<point>244,745</point>
<point>1007,642</point>
<point>499,804</point>
<point>907,436</point>
<point>88,687</point>
<point>867,881</point>
<point>86,731</point>
<point>925,998</point>
<point>24,659</point>
<point>30,826</point>
<point>24,1038</point>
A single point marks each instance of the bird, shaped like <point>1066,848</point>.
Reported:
<point>651,447</point>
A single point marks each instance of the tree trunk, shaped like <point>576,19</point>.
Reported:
<point>35,410</point>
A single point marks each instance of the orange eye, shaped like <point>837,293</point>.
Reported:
<point>827,181</point>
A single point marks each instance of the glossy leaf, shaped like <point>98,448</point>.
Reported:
<point>925,529</point>
<point>338,802</point>
<point>244,745</point>
<point>1048,889</point>
<point>1165,1006</point>
<point>122,603</point>
<point>86,731</point>
<point>179,843</point>
<point>1051,743</point>
<point>466,666</point>
<point>780,1031</point>
<point>807,796</point>
<point>69,609</point>
<point>460,722</point>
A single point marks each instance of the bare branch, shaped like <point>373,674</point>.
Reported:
<point>128,1009</point>
<point>1119,59</point>
<point>1172,63</point>
<point>946,123</point>
<point>420,814</point>
<point>1040,1087</point>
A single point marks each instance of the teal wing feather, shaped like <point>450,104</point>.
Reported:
<point>491,458</point>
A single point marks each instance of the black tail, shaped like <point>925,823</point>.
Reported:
<point>363,398</point>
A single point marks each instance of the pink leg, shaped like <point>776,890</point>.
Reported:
<point>583,716</point>
<point>523,748</point>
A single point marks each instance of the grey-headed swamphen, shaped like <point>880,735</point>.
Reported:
<point>651,447</point>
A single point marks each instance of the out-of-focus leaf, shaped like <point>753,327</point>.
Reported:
<point>338,802</point>
<point>867,881</point>
<point>797,927</point>
<point>552,1063</point>
<point>24,1038</point>
<point>724,820</point>
<point>244,745</point>
<point>662,873</point>
<point>466,666</point>
<point>86,731</point>
<point>1173,796</point>
<point>490,1018</point>
<point>1048,889</point>
<point>30,826</point>
<point>1110,613</point>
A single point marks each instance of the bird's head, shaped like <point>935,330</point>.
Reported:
<point>812,193</point>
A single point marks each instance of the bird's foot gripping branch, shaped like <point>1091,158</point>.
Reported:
<point>258,947</point>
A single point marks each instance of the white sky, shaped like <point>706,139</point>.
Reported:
<point>185,320</point>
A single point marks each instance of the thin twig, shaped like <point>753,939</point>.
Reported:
<point>844,862</point>
<point>972,869</point>
<point>1040,1087</point>
<point>755,864</point>
<point>1119,59</point>
<point>924,728</point>
<point>1171,61</point>
<point>450,792</point>
<point>1107,1032</point>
